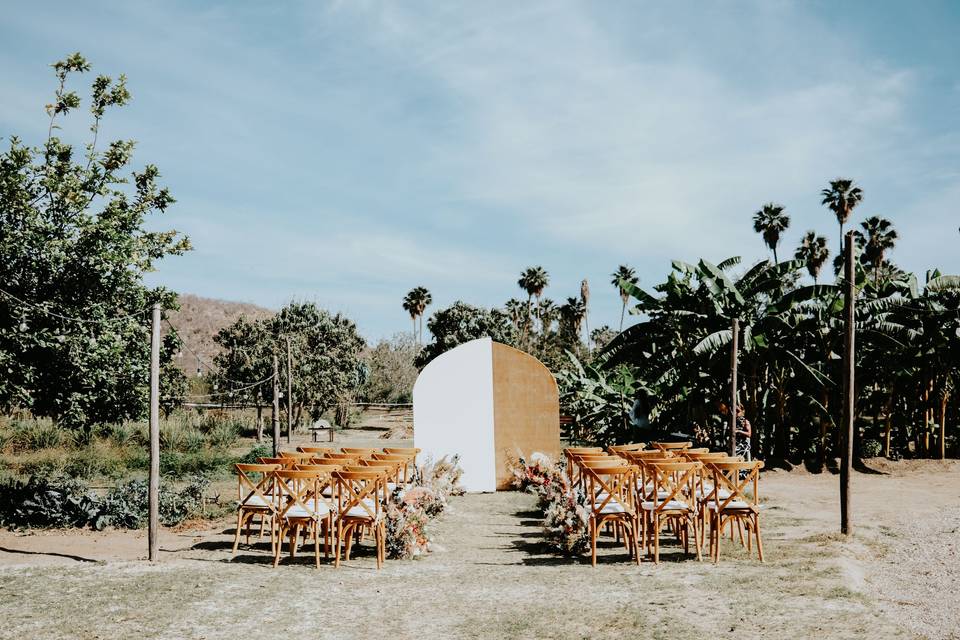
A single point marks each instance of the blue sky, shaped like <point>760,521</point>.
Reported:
<point>345,152</point>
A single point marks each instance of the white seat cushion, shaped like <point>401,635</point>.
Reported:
<point>256,501</point>
<point>673,505</point>
<point>610,507</point>
<point>318,508</point>
<point>734,505</point>
<point>706,493</point>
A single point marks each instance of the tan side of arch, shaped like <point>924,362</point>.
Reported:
<point>526,408</point>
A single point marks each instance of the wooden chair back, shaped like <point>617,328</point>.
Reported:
<point>619,449</point>
<point>360,493</point>
<point>301,494</point>
<point>672,446</point>
<point>736,477</point>
<point>346,458</point>
<point>316,451</point>
<point>283,462</point>
<point>363,452</point>
<point>256,483</point>
<point>673,481</point>
<point>403,460</point>
<point>612,488</point>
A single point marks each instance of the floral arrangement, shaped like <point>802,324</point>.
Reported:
<point>539,476</point>
<point>566,521</point>
<point>409,513</point>
<point>407,536</point>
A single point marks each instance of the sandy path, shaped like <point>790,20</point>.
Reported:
<point>493,578</point>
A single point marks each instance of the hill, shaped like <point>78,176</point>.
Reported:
<point>199,319</point>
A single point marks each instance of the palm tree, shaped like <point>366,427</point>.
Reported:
<point>533,280</point>
<point>517,310</point>
<point>770,222</point>
<point>880,237</point>
<point>423,300</point>
<point>547,312</point>
<point>415,303</point>
<point>814,253</point>
<point>410,306</point>
<point>841,198</point>
<point>585,296</point>
<point>572,312</point>
<point>621,275</point>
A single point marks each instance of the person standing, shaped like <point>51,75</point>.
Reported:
<point>744,433</point>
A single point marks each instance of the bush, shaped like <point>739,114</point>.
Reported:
<point>224,435</point>
<point>60,503</point>
<point>39,434</point>
<point>257,451</point>
<point>871,448</point>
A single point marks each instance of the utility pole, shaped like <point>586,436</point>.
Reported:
<point>849,389</point>
<point>734,357</point>
<point>153,494</point>
<point>289,391</point>
<point>276,408</point>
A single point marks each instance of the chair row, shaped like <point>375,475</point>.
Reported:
<point>338,498</point>
<point>637,492</point>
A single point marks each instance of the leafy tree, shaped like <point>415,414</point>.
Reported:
<point>392,370</point>
<point>325,349</point>
<point>460,323</point>
<point>623,274</point>
<point>173,382</point>
<point>770,222</point>
<point>74,244</point>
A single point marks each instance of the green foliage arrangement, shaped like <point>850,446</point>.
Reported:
<point>460,323</point>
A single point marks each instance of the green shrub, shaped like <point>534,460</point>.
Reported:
<point>43,464</point>
<point>224,435</point>
<point>193,441</point>
<point>34,435</point>
<point>120,434</point>
<point>257,451</point>
<point>870,448</point>
<point>41,502</point>
<point>172,436</point>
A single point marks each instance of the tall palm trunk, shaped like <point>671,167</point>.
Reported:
<point>623,312</point>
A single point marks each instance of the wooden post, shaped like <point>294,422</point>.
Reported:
<point>289,391</point>
<point>734,358</point>
<point>276,408</point>
<point>153,493</point>
<point>849,389</point>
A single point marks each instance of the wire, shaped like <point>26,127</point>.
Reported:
<point>54,314</point>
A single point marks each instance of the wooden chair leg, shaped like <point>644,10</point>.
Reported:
<point>236,538</point>
<point>656,538</point>
<point>316,542</point>
<point>349,539</point>
<point>336,549</point>
<point>593,542</point>
<point>279,548</point>
<point>756,528</point>
<point>636,540</point>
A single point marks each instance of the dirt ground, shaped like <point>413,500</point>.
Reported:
<point>491,576</point>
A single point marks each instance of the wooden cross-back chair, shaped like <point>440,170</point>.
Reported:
<point>674,484</point>
<point>316,451</point>
<point>299,456</point>
<point>643,460</point>
<point>363,452</point>
<point>739,507</point>
<point>404,462</point>
<point>325,466</point>
<point>577,460</point>
<point>256,496</point>
<point>568,454</point>
<point>413,452</point>
<point>282,461</point>
<point>344,458</point>
<point>620,449</point>
<point>360,496</point>
<point>611,497</point>
<point>672,446</point>
<point>303,506</point>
